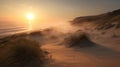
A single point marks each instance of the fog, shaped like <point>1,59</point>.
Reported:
<point>63,26</point>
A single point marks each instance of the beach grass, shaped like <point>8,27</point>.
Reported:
<point>22,52</point>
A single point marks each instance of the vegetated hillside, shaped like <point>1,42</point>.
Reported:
<point>100,22</point>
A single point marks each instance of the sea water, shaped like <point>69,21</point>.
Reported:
<point>9,29</point>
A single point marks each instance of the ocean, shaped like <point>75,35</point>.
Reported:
<point>9,29</point>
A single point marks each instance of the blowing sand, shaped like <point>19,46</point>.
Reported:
<point>85,57</point>
<point>97,56</point>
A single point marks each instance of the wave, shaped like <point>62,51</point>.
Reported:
<point>9,30</point>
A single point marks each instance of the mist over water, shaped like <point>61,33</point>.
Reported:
<point>62,26</point>
<point>7,28</point>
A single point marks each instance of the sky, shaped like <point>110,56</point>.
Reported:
<point>54,10</point>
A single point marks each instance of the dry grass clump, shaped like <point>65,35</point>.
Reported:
<point>78,40</point>
<point>22,52</point>
<point>36,33</point>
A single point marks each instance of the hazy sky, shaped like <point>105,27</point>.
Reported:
<point>54,10</point>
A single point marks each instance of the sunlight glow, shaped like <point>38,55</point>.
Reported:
<point>30,26</point>
<point>30,16</point>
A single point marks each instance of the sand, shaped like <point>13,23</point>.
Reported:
<point>105,55</point>
<point>85,57</point>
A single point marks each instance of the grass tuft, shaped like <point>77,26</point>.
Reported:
<point>22,52</point>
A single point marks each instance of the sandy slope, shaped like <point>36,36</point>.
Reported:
<point>107,54</point>
<point>85,57</point>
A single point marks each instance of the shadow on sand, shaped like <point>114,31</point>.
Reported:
<point>84,44</point>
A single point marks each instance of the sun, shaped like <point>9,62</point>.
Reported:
<point>30,16</point>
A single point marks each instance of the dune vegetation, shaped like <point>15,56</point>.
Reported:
<point>78,39</point>
<point>22,52</point>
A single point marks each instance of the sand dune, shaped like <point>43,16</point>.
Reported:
<point>97,56</point>
<point>86,57</point>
